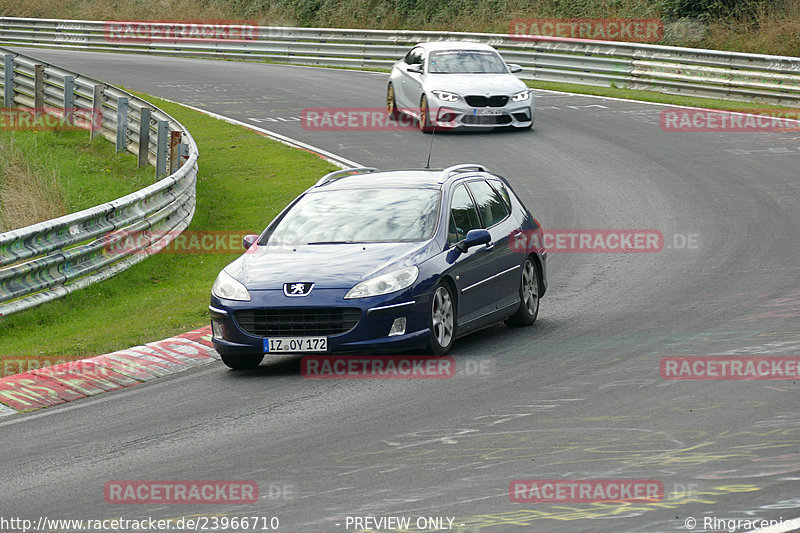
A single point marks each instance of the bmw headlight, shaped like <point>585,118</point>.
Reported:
<point>225,286</point>
<point>521,96</point>
<point>446,96</point>
<point>384,284</point>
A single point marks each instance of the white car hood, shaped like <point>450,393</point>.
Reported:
<point>483,84</point>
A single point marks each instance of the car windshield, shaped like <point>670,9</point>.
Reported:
<point>359,215</point>
<point>466,62</point>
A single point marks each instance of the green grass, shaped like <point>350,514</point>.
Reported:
<point>50,173</point>
<point>90,172</point>
<point>244,180</point>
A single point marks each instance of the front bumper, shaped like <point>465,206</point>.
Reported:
<point>451,115</point>
<point>370,333</point>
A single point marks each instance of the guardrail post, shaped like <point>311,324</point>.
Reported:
<point>69,99</point>
<point>97,112</point>
<point>183,152</point>
<point>144,137</point>
<point>174,141</point>
<point>122,123</point>
<point>161,148</point>
<point>8,80</point>
<point>38,89</point>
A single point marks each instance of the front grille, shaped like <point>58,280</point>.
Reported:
<point>300,322</point>
<point>486,101</point>
<point>496,120</point>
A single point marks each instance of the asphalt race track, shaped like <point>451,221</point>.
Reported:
<point>577,396</point>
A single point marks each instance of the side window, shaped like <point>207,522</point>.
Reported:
<point>490,204</point>
<point>463,215</point>
<point>414,57</point>
<point>500,187</point>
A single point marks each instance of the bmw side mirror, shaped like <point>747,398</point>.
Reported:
<point>416,69</point>
<point>248,241</point>
<point>474,238</point>
<point>514,68</point>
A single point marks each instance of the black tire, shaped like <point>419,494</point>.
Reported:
<point>391,103</point>
<point>529,291</point>
<point>242,362</point>
<point>424,119</point>
<point>443,320</point>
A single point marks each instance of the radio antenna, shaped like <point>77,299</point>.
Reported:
<point>430,148</point>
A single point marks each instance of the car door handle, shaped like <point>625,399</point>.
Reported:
<point>489,247</point>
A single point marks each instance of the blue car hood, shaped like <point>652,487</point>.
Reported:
<point>328,266</point>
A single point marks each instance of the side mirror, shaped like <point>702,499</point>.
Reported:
<point>248,241</point>
<point>514,68</point>
<point>474,238</point>
<point>416,69</point>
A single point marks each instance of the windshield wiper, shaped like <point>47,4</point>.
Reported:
<point>331,242</point>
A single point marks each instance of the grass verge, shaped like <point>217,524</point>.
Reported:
<point>245,179</point>
<point>47,174</point>
<point>26,195</point>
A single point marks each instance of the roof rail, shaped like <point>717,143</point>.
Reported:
<point>466,167</point>
<point>338,174</point>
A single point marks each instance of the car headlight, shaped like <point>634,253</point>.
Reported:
<point>446,96</point>
<point>521,96</point>
<point>384,284</point>
<point>225,286</point>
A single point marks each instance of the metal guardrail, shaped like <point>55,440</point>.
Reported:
<point>686,71</point>
<point>45,261</point>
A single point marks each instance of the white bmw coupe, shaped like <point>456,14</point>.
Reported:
<point>458,84</point>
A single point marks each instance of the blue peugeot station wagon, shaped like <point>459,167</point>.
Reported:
<point>380,261</point>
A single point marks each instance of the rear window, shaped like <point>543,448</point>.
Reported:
<point>359,215</point>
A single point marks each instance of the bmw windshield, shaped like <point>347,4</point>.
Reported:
<point>466,62</point>
<point>358,215</point>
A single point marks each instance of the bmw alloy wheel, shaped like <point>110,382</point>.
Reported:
<point>424,118</point>
<point>391,103</point>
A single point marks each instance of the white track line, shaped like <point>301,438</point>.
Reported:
<point>294,143</point>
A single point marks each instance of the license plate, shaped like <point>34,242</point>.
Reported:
<point>487,111</point>
<point>295,344</point>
